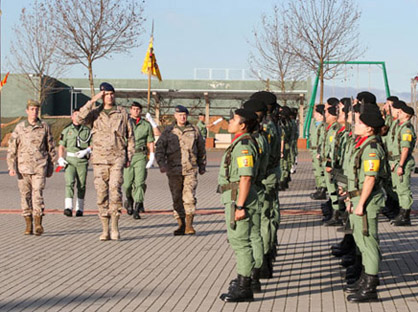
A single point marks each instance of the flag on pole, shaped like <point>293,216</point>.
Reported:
<point>3,82</point>
<point>150,62</point>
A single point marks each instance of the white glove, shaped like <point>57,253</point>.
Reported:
<point>83,153</point>
<point>62,162</point>
<point>151,121</point>
<point>217,121</point>
<point>150,161</point>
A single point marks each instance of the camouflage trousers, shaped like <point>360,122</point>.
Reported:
<point>183,192</point>
<point>31,188</point>
<point>108,181</point>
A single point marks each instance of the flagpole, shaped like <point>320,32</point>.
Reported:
<point>149,90</point>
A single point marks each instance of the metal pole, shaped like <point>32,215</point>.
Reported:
<point>0,68</point>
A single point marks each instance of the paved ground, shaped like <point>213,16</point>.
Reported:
<point>69,269</point>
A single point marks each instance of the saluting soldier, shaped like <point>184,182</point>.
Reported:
<point>404,163</point>
<point>75,140</point>
<point>239,196</point>
<point>366,199</point>
<point>135,175</point>
<point>113,148</point>
<point>181,154</point>
<point>31,155</point>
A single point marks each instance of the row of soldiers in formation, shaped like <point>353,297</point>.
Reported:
<point>255,166</point>
<point>362,158</point>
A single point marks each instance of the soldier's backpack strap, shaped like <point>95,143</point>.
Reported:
<point>357,161</point>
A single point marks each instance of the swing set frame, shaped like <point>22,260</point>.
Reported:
<point>308,119</point>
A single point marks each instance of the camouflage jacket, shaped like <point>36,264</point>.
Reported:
<point>181,151</point>
<point>31,148</point>
<point>112,133</point>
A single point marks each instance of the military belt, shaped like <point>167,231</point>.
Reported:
<point>393,158</point>
<point>141,149</point>
<point>227,187</point>
<point>353,194</point>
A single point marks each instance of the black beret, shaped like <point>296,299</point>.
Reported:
<point>408,109</point>
<point>333,101</point>
<point>181,109</point>
<point>332,110</point>
<point>393,98</point>
<point>320,108</point>
<point>248,115</point>
<point>398,104</point>
<point>347,104</point>
<point>104,86</point>
<point>201,114</point>
<point>267,97</point>
<point>372,119</point>
<point>285,111</point>
<point>255,105</point>
<point>367,97</point>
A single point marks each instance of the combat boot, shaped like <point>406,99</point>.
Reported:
<point>266,270</point>
<point>114,233</point>
<point>68,211</point>
<point>182,226</point>
<point>189,230</point>
<point>29,227</point>
<point>39,230</point>
<point>367,291</point>
<point>354,287</point>
<point>240,292</point>
<point>105,225</point>
<point>79,208</point>
<point>403,218</point>
<point>137,209</point>
<point>255,281</point>
<point>335,219</point>
<point>320,194</point>
<point>128,204</point>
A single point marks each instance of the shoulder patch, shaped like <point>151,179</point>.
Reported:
<point>372,155</point>
<point>245,161</point>
<point>244,141</point>
<point>373,145</point>
<point>244,152</point>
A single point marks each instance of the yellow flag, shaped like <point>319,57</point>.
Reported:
<point>150,62</point>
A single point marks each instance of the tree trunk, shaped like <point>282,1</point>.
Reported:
<point>321,84</point>
<point>91,81</point>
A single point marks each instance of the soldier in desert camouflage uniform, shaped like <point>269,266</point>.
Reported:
<point>180,152</point>
<point>31,157</point>
<point>112,149</point>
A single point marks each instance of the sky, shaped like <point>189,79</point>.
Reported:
<point>193,34</point>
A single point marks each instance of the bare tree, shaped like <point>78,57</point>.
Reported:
<point>94,29</point>
<point>33,50</point>
<point>271,57</point>
<point>323,30</point>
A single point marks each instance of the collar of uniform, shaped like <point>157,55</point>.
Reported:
<point>361,140</point>
<point>330,125</point>
<point>341,129</point>
<point>404,123</point>
<point>237,135</point>
<point>137,120</point>
<point>37,123</point>
<point>188,124</point>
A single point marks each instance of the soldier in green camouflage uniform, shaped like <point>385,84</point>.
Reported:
<point>135,175</point>
<point>327,154</point>
<point>239,195</point>
<point>30,156</point>
<point>317,131</point>
<point>75,140</point>
<point>366,199</point>
<point>403,162</point>
<point>202,126</point>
